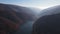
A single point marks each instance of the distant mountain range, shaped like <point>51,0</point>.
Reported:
<point>23,13</point>
<point>50,11</point>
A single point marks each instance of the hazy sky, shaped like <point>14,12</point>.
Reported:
<point>33,3</point>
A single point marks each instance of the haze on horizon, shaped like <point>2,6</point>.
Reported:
<point>42,4</point>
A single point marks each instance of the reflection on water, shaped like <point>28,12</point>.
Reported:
<point>26,28</point>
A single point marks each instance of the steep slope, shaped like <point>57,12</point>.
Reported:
<point>13,18</point>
